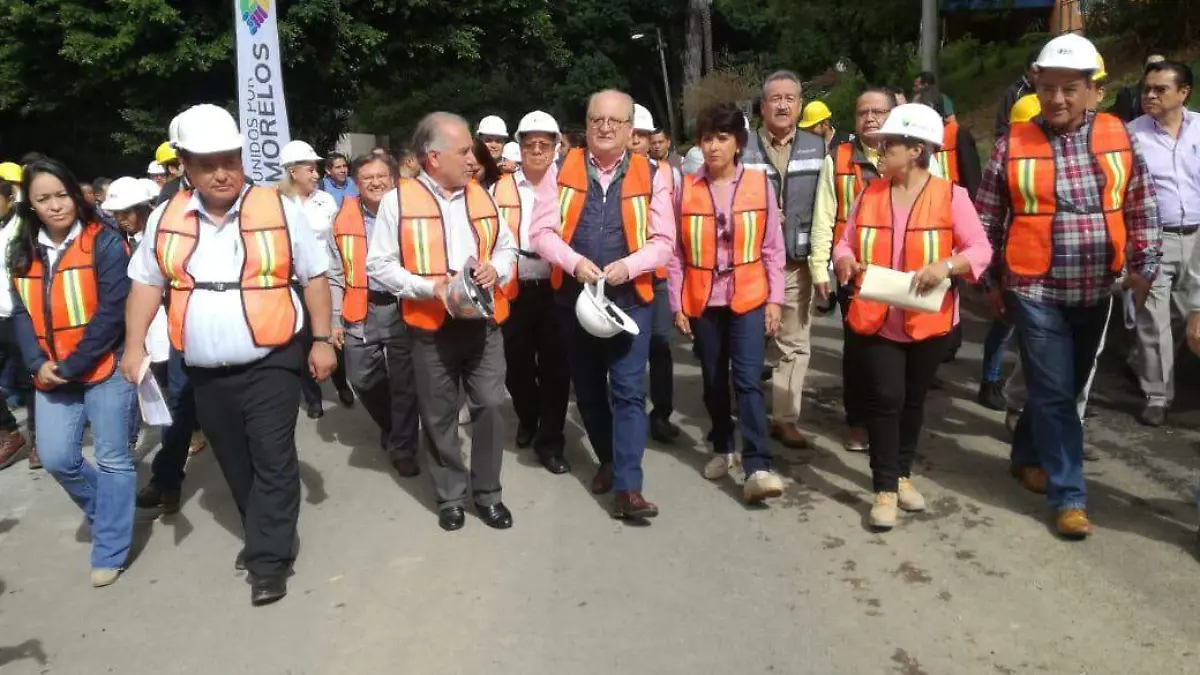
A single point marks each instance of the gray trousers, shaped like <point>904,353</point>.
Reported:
<point>379,368</point>
<point>1153,354</point>
<point>467,354</point>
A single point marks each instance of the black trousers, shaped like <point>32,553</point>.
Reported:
<point>248,414</point>
<point>662,366</point>
<point>896,378</point>
<point>853,398</point>
<point>311,388</point>
<point>22,380</point>
<point>537,377</point>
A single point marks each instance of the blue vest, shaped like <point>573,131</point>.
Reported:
<point>600,237</point>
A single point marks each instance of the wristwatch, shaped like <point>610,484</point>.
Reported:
<point>949,267</point>
<point>323,338</point>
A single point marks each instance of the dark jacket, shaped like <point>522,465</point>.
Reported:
<point>1128,105</point>
<point>105,333</point>
<point>1011,95</point>
<point>970,170</point>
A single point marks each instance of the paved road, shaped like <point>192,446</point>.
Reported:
<point>976,585</point>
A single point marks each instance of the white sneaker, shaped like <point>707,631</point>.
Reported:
<point>908,498</point>
<point>722,465</point>
<point>762,485</point>
<point>883,513</point>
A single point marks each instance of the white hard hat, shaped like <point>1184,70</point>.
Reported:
<point>297,151</point>
<point>1070,51</point>
<point>693,160</point>
<point>599,316</point>
<point>150,187</point>
<point>127,192</point>
<point>642,119</point>
<point>206,129</point>
<point>173,131</point>
<point>913,120</point>
<point>511,152</point>
<point>492,126</point>
<point>155,169</point>
<point>465,299</point>
<point>537,121</point>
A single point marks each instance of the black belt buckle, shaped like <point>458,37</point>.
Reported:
<point>528,254</point>
<point>218,286</point>
<point>380,298</point>
<point>722,271</point>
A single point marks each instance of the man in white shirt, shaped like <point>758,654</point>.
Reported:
<point>228,253</point>
<point>537,378</point>
<point>448,220</point>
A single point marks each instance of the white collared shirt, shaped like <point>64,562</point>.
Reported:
<point>215,329</point>
<point>319,209</point>
<point>528,268</point>
<point>53,250</point>
<point>383,251</point>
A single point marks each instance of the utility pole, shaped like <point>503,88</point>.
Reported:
<point>662,57</point>
<point>929,35</point>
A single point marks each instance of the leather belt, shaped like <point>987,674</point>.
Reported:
<point>218,286</point>
<point>528,254</point>
<point>535,282</point>
<point>1182,229</point>
<point>380,298</point>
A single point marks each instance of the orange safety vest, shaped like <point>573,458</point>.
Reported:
<point>698,241</point>
<point>423,246</point>
<point>848,183</point>
<point>350,235</point>
<point>947,156</point>
<point>929,238</point>
<point>636,189</point>
<point>508,200</point>
<point>265,284</point>
<point>73,297</point>
<point>1031,169</point>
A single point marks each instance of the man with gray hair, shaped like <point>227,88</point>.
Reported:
<point>793,163</point>
<point>429,231</point>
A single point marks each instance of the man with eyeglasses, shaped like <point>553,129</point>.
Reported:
<point>537,376</point>
<point>602,216</point>
<point>793,163</point>
<point>845,173</point>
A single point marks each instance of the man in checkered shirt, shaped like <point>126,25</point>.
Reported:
<point>1069,206</point>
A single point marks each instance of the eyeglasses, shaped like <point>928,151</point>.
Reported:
<point>601,122</point>
<point>878,113</point>
<point>537,145</point>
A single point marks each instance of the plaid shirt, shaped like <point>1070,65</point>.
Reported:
<point>1080,272</point>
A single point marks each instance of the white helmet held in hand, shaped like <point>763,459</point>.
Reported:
<point>206,129</point>
<point>492,126</point>
<point>297,151</point>
<point>916,121</point>
<point>599,316</point>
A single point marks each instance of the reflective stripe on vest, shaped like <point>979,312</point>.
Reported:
<point>947,156</point>
<point>73,295</point>
<point>636,189</point>
<point>266,277</point>
<point>1031,169</point>
<point>698,240</point>
<point>423,245</point>
<point>929,238</point>
<point>848,183</point>
<point>508,200</point>
<point>350,235</point>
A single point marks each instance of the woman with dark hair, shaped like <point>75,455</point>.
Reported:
<point>916,223</point>
<point>69,320</point>
<point>488,172</point>
<point>726,290</point>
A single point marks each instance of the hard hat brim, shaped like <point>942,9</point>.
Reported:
<point>214,149</point>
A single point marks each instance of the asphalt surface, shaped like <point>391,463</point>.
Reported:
<point>977,584</point>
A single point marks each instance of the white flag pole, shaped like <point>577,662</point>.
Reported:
<point>262,110</point>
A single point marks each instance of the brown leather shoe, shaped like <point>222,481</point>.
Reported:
<point>12,446</point>
<point>789,436</point>
<point>407,467</point>
<point>633,505</point>
<point>1074,524</point>
<point>602,482</point>
<point>151,497</point>
<point>35,462</point>
<point>1032,478</point>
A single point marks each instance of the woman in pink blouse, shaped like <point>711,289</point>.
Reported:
<point>726,287</point>
<point>917,223</point>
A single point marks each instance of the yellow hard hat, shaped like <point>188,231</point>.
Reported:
<point>1101,74</point>
<point>11,172</point>
<point>1026,108</point>
<point>814,113</point>
<point>165,153</point>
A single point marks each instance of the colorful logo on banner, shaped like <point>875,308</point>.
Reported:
<point>254,13</point>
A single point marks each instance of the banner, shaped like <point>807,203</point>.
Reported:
<point>262,111</point>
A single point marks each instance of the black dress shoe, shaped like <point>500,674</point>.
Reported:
<point>525,436</point>
<point>497,516</point>
<point>315,411</point>
<point>556,465</point>
<point>407,467</point>
<point>239,563</point>
<point>663,430</point>
<point>346,396</point>
<point>452,518</point>
<point>266,591</point>
<point>991,396</point>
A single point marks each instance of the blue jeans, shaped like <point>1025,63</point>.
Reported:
<point>105,492</point>
<point>166,471</point>
<point>1058,349</point>
<point>723,337</point>
<point>994,346</point>
<point>610,390</point>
